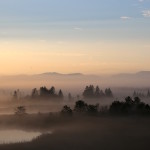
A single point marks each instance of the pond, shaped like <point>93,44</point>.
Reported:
<point>15,136</point>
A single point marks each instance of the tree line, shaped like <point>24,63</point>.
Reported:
<point>42,93</point>
<point>127,107</point>
<point>96,92</point>
<point>90,92</point>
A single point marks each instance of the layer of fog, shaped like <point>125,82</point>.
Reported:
<point>75,83</point>
<point>121,85</point>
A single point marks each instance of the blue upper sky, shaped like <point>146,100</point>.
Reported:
<point>99,18</point>
<point>70,10</point>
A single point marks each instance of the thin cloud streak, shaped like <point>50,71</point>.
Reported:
<point>125,18</point>
<point>146,13</point>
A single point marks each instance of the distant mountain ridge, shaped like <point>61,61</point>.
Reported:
<point>138,74</point>
<point>44,74</point>
<point>76,80</point>
<point>143,73</point>
<point>56,73</point>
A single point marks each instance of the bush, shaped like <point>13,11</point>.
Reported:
<point>21,110</point>
<point>66,110</point>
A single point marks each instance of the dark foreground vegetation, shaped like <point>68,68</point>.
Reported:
<point>124,125</point>
<point>81,132</point>
<point>128,107</point>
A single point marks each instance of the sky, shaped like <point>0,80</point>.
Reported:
<point>66,36</point>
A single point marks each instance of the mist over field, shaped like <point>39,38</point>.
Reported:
<point>75,83</point>
<point>74,74</point>
<point>122,85</point>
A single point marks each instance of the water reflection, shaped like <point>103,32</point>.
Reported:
<point>14,136</point>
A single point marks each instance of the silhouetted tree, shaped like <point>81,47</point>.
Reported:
<point>102,93</point>
<point>60,94</point>
<point>108,92</point>
<point>137,100</point>
<point>97,92</point>
<point>44,92</point>
<point>66,110</point>
<point>34,93</point>
<point>116,107</point>
<point>80,106</point>
<point>93,108</point>
<point>52,91</point>
<point>129,100</point>
<point>89,92</point>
